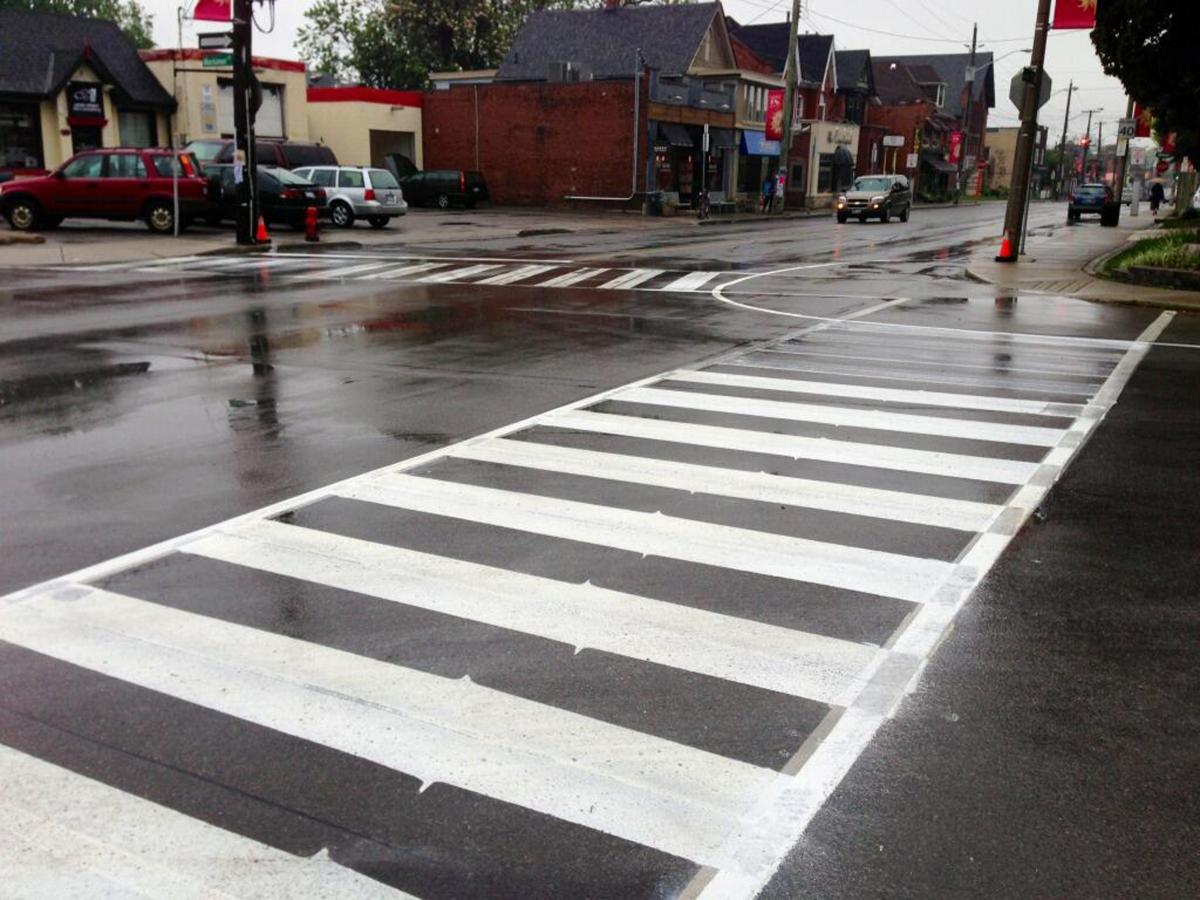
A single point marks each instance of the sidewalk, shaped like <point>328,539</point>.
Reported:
<point>1064,260</point>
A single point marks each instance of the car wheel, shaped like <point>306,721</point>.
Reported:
<point>443,201</point>
<point>904,213</point>
<point>841,217</point>
<point>160,217</point>
<point>23,214</point>
<point>379,221</point>
<point>341,215</point>
<point>885,216</point>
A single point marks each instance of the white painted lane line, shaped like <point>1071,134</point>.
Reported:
<point>951,465</point>
<point>405,270</point>
<point>1025,435</point>
<point>630,279</point>
<point>820,668</point>
<point>65,835</point>
<point>571,278</point>
<point>128,265</point>
<point>274,262</point>
<point>1003,371</point>
<point>459,274</point>
<point>347,271</point>
<point>690,282</point>
<point>645,789</point>
<point>518,274</point>
<point>866,392</point>
<point>916,509</point>
<point>852,568</point>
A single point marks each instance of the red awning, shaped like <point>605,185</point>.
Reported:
<point>87,121</point>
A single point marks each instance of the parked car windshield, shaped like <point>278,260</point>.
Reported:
<point>1092,190</point>
<point>872,184</point>
<point>205,151</point>
<point>382,178</point>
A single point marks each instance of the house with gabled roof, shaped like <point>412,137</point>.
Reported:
<point>611,105</point>
<point>69,83</point>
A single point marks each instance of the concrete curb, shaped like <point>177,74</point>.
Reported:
<point>20,237</point>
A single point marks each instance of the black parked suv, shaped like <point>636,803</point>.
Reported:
<point>442,188</point>
<point>284,154</point>
<point>876,196</point>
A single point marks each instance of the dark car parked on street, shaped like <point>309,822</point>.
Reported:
<point>111,183</point>
<point>442,188</point>
<point>283,154</point>
<point>283,198</point>
<point>1087,199</point>
<point>876,196</point>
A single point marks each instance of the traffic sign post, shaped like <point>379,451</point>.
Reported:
<point>218,40</point>
<point>1028,75</point>
<point>217,60</point>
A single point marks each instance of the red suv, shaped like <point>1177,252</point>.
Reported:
<point>110,183</point>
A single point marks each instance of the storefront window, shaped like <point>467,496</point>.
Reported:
<point>20,136</point>
<point>136,128</point>
<point>825,173</point>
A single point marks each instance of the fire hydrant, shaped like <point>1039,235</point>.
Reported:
<point>310,224</point>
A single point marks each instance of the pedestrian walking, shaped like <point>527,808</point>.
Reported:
<point>768,192</point>
<point>1156,196</point>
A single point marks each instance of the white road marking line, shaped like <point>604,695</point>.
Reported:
<point>273,262</point>
<point>132,264</point>
<point>458,274</point>
<point>518,274</point>
<point>690,282</point>
<point>951,465</point>
<point>630,279</point>
<point>793,662</point>
<point>776,824</point>
<point>571,278</point>
<point>644,789</point>
<point>980,358</point>
<point>916,509</point>
<point>404,270</point>
<point>866,392</point>
<point>968,429</point>
<point>347,271</point>
<point>853,568</point>
<point>65,835</point>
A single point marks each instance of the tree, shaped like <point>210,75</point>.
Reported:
<point>1150,46</point>
<point>128,14</point>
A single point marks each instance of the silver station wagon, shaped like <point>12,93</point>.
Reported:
<point>358,192</point>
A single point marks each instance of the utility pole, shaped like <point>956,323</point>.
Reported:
<point>246,100</point>
<point>1121,165</point>
<point>789,101</point>
<point>1018,196</point>
<point>966,141</point>
<point>1062,147</point>
<point>1087,147</point>
<point>1100,147</point>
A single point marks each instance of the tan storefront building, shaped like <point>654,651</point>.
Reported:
<point>362,125</point>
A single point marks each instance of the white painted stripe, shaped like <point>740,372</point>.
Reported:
<point>217,262</point>
<point>129,265</point>
<point>866,392</point>
<point>631,279</point>
<point>916,509</point>
<point>781,556</point>
<point>1003,371</point>
<point>846,417</point>
<point>64,835</point>
<point>645,789</point>
<point>571,278</point>
<point>952,465</point>
<point>348,271</point>
<point>459,274</point>
<point>274,262</point>
<point>518,274</point>
<point>404,270</point>
<point>690,282</point>
<point>582,615</point>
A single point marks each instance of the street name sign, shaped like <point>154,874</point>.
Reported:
<point>216,60</point>
<point>1016,87</point>
<point>216,40</point>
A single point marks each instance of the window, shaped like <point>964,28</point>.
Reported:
<point>269,120</point>
<point>349,178</point>
<point>136,128</point>
<point>84,166</point>
<point>825,173</point>
<point>20,136</point>
<point>382,178</point>
<point>323,177</point>
<point>126,165</point>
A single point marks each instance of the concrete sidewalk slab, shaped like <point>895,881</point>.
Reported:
<point>1066,259</point>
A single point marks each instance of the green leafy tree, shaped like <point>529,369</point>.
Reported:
<point>130,15</point>
<point>1150,45</point>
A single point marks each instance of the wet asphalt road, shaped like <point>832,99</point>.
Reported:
<point>141,405</point>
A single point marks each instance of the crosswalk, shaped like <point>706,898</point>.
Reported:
<point>400,270</point>
<point>623,649</point>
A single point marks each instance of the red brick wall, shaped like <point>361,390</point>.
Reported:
<point>538,142</point>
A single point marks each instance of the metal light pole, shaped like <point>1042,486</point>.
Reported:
<point>1018,196</point>
<point>962,150</point>
<point>789,101</point>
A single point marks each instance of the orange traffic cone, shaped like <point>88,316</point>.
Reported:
<point>1006,251</point>
<point>261,235</point>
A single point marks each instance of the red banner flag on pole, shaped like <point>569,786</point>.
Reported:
<point>1143,119</point>
<point>1074,14</point>
<point>213,10</point>
<point>774,129</point>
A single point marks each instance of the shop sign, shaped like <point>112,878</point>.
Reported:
<point>774,128</point>
<point>85,100</point>
<point>912,161</point>
<point>843,136</point>
<point>893,140</point>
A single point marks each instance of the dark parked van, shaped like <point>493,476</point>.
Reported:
<point>442,188</point>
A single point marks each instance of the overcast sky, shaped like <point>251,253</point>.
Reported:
<point>882,26</point>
